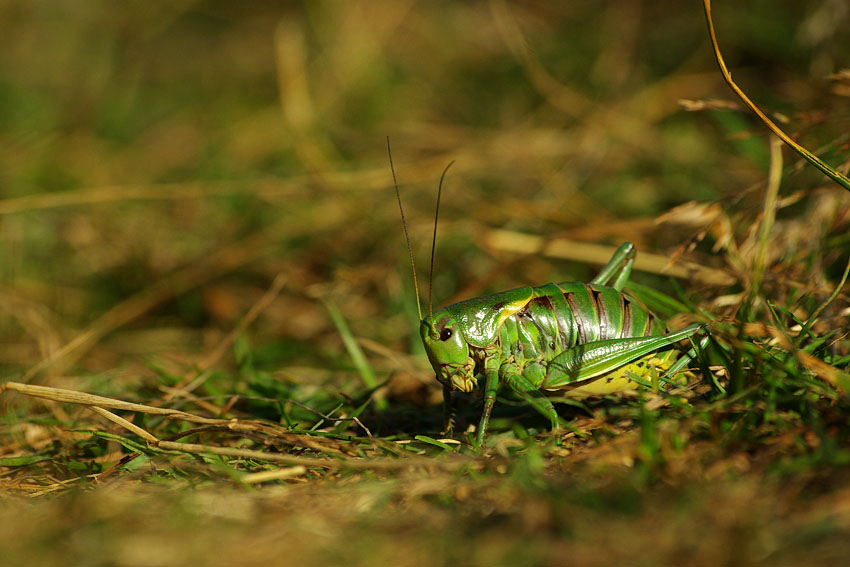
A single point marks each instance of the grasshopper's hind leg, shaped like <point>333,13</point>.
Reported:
<point>532,394</point>
<point>597,358</point>
<point>616,272</point>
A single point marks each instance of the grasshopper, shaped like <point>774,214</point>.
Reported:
<point>581,339</point>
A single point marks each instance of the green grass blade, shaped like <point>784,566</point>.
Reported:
<point>354,350</point>
<point>434,442</point>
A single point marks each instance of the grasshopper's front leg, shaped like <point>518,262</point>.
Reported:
<point>491,387</point>
<point>509,373</point>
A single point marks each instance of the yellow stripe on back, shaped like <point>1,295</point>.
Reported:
<point>513,308</point>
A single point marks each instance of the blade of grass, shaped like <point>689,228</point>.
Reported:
<point>826,303</point>
<point>768,216</point>
<point>434,442</point>
<point>354,350</point>
<point>22,461</point>
<point>657,301</point>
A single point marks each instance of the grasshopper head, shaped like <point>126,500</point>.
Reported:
<point>448,351</point>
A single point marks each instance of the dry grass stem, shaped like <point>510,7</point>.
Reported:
<point>279,474</point>
<point>97,403</point>
<point>768,214</point>
<point>511,241</point>
<point>85,399</point>
<point>836,176</point>
<point>131,427</point>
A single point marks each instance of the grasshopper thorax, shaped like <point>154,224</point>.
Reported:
<point>448,350</point>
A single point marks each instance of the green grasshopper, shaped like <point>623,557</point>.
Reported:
<point>582,339</point>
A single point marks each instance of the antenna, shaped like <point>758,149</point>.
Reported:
<point>434,242</point>
<point>406,235</point>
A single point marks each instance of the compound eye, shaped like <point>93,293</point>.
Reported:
<point>445,334</point>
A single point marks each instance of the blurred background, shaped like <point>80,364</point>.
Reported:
<point>168,167</point>
<point>161,163</point>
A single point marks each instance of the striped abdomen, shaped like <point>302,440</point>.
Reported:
<point>560,316</point>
